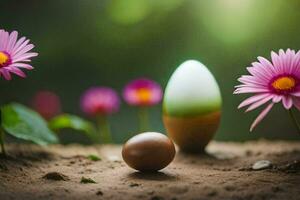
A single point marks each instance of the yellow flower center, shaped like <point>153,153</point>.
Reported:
<point>3,58</point>
<point>144,95</point>
<point>284,83</point>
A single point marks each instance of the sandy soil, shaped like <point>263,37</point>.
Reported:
<point>225,172</point>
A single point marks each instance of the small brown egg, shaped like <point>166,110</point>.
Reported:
<point>149,151</point>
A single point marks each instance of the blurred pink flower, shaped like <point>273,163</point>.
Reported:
<point>272,82</point>
<point>47,104</point>
<point>14,54</point>
<point>142,92</point>
<point>100,101</point>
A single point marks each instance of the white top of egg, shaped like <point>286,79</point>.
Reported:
<point>191,90</point>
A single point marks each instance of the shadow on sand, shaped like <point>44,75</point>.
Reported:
<point>154,176</point>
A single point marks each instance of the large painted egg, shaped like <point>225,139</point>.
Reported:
<point>192,106</point>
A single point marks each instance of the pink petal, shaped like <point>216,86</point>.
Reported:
<point>276,62</point>
<point>296,102</point>
<point>277,98</point>
<point>17,45</point>
<point>251,86</point>
<point>266,66</point>
<point>258,73</point>
<point>296,63</point>
<point>287,102</point>
<point>282,58</point>
<point>259,103</point>
<point>4,40</point>
<point>17,71</point>
<point>25,56</point>
<point>261,116</point>
<point>251,80</point>
<point>26,60</point>
<point>21,47</point>
<point>12,41</point>
<point>22,65</point>
<point>23,51</point>
<point>6,74</point>
<point>249,90</point>
<point>288,60</point>
<point>296,94</point>
<point>252,99</point>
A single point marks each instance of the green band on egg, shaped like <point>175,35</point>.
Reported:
<point>190,110</point>
<point>192,90</point>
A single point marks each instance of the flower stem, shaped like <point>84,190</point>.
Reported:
<point>104,128</point>
<point>143,119</point>
<point>2,136</point>
<point>2,141</point>
<point>293,117</point>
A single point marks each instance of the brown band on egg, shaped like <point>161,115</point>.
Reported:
<point>192,134</point>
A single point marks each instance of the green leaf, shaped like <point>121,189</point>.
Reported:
<point>93,157</point>
<point>26,124</point>
<point>76,123</point>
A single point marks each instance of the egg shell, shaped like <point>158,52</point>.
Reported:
<point>192,106</point>
<point>149,151</point>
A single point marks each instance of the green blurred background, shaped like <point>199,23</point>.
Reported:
<point>84,43</point>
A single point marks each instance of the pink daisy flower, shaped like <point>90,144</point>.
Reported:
<point>100,101</point>
<point>142,92</point>
<point>46,103</point>
<point>272,82</point>
<point>14,54</point>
